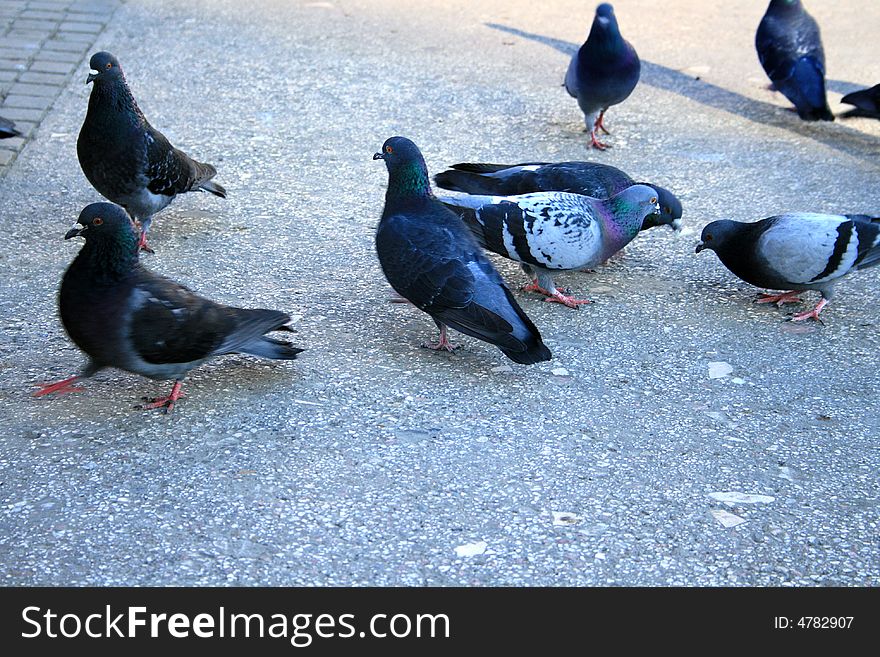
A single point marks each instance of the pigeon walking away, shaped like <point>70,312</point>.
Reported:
<point>790,49</point>
<point>587,178</point>
<point>125,158</point>
<point>603,72</point>
<point>7,129</point>
<point>796,252</point>
<point>430,259</point>
<point>866,102</point>
<point>125,316</point>
<point>555,231</point>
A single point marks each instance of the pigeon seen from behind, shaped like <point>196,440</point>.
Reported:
<point>125,158</point>
<point>430,258</point>
<point>587,178</point>
<point>125,316</point>
<point>7,129</point>
<point>603,72</point>
<point>795,252</point>
<point>790,50</point>
<point>555,231</point>
<point>865,101</point>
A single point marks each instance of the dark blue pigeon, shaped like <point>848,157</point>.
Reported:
<point>790,49</point>
<point>7,129</point>
<point>603,72</point>
<point>430,259</point>
<point>795,252</point>
<point>555,231</point>
<point>125,316</point>
<point>125,158</point>
<point>587,178</point>
<point>865,101</point>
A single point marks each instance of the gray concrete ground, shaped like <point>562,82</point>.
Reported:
<point>370,461</point>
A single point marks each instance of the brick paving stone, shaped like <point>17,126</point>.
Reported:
<point>42,43</point>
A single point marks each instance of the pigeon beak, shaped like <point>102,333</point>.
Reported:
<point>76,231</point>
<point>700,247</point>
<point>92,75</point>
<point>378,156</point>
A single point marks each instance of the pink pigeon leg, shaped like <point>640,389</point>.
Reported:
<point>811,314</point>
<point>443,344</point>
<point>60,387</point>
<point>779,299</point>
<point>166,402</point>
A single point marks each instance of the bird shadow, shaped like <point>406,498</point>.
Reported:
<point>836,136</point>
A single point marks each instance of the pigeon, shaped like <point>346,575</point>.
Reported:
<point>125,316</point>
<point>430,258</point>
<point>587,178</point>
<point>790,50</point>
<point>555,231</point>
<point>796,251</point>
<point>125,158</point>
<point>603,72</point>
<point>7,129</point>
<point>866,102</point>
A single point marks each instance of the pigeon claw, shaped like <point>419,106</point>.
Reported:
<point>166,403</point>
<point>558,297</point>
<point>59,387</point>
<point>443,344</point>
<point>811,314</point>
<point>779,299</point>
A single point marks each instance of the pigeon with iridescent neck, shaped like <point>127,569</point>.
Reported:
<point>125,158</point>
<point>603,72</point>
<point>548,232</point>
<point>797,251</point>
<point>125,316</point>
<point>430,259</point>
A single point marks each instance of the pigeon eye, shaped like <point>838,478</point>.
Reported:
<point>109,65</point>
<point>653,199</point>
<point>708,238</point>
<point>97,221</point>
<point>388,149</point>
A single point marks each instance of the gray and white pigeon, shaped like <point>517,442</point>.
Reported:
<point>125,158</point>
<point>430,259</point>
<point>795,252</point>
<point>125,316</point>
<point>587,178</point>
<point>603,72</point>
<point>7,129</point>
<point>790,50</point>
<point>555,231</point>
<point>865,101</point>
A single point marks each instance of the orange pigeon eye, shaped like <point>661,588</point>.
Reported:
<point>388,149</point>
<point>109,64</point>
<point>97,221</point>
<point>653,199</point>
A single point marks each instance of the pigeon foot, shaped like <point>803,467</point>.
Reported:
<point>164,402</point>
<point>811,314</point>
<point>60,387</point>
<point>779,299</point>
<point>441,345</point>
<point>595,143</point>
<point>555,296</point>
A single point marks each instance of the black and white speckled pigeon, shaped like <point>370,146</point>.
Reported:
<point>430,259</point>
<point>125,158</point>
<point>7,129</point>
<point>587,178</point>
<point>603,72</point>
<point>796,251</point>
<point>790,50</point>
<point>865,101</point>
<point>555,231</point>
<point>125,316</point>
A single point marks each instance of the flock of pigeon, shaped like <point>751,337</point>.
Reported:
<point>549,217</point>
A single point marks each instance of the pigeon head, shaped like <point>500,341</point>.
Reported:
<point>104,66</point>
<point>407,172</point>
<point>101,222</point>
<point>639,200</point>
<point>605,26</point>
<point>716,234</point>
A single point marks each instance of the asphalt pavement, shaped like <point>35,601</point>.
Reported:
<point>682,435</point>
